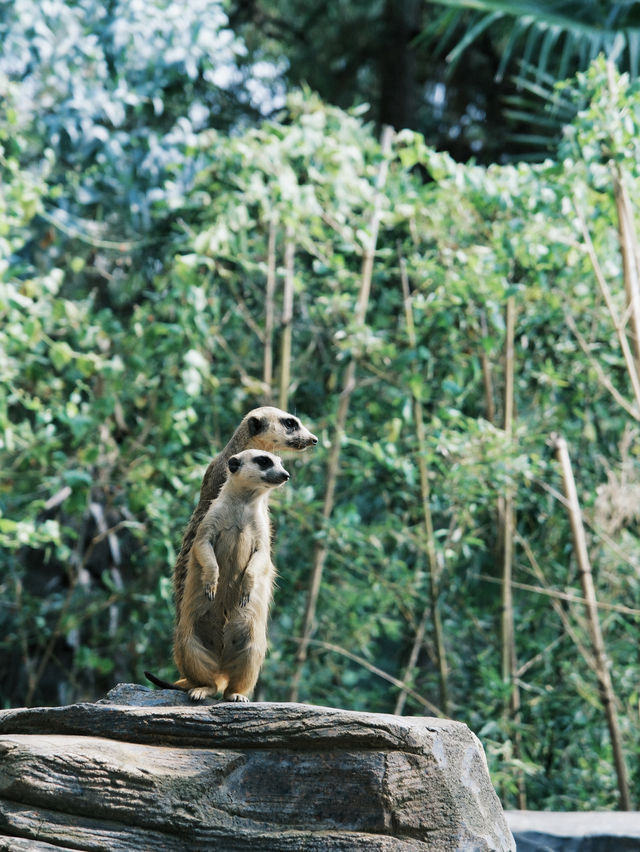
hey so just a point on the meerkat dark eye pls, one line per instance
(290, 424)
(264, 462)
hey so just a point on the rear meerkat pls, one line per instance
(221, 633)
(266, 428)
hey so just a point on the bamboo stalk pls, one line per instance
(432, 608)
(506, 512)
(507, 526)
(509, 375)
(629, 247)
(269, 310)
(337, 649)
(605, 684)
(487, 378)
(320, 550)
(604, 380)
(506, 504)
(560, 611)
(563, 596)
(287, 317)
(628, 243)
(634, 376)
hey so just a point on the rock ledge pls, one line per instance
(146, 769)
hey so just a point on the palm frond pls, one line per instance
(536, 28)
(471, 35)
(546, 41)
(520, 25)
(538, 103)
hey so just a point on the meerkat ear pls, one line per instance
(256, 425)
(234, 464)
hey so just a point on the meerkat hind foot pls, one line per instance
(235, 696)
(199, 693)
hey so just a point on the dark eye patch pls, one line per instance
(263, 462)
(289, 424)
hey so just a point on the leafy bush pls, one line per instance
(127, 364)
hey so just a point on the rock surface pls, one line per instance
(147, 770)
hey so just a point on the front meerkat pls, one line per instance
(266, 428)
(221, 633)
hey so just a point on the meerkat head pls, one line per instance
(257, 469)
(275, 430)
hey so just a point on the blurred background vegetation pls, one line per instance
(197, 216)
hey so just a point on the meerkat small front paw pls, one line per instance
(210, 590)
(199, 693)
(244, 599)
(236, 696)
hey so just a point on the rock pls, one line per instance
(575, 831)
(130, 773)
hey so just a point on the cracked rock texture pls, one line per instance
(148, 770)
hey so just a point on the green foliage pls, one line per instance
(535, 43)
(125, 367)
(557, 33)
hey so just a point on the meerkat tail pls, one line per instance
(179, 685)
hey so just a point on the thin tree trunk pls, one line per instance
(629, 248)
(287, 317)
(628, 244)
(507, 526)
(559, 608)
(269, 311)
(432, 609)
(377, 671)
(627, 354)
(506, 504)
(506, 512)
(320, 551)
(605, 685)
(487, 379)
(604, 380)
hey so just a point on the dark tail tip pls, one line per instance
(163, 684)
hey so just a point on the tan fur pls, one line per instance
(221, 635)
(262, 428)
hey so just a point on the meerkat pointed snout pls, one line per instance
(278, 476)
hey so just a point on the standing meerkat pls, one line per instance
(266, 428)
(221, 634)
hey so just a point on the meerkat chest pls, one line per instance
(237, 543)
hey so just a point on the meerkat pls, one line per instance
(266, 428)
(221, 634)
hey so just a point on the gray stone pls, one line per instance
(575, 831)
(128, 773)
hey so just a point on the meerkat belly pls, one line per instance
(234, 549)
(245, 628)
